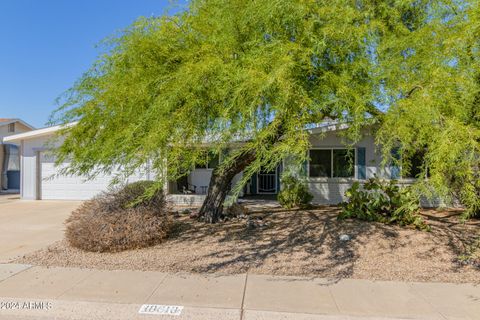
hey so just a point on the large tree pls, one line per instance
(434, 101)
(242, 78)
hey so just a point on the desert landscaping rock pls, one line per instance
(295, 243)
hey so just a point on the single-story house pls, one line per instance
(9, 153)
(329, 171)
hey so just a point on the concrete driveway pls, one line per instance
(26, 226)
(5, 197)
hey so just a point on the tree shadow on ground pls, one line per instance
(294, 243)
(309, 238)
(450, 229)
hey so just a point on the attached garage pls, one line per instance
(41, 179)
(53, 186)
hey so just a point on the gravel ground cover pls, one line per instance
(296, 242)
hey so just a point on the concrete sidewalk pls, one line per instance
(69, 293)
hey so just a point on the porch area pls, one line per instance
(197, 182)
(191, 190)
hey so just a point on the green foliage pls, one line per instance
(434, 101)
(384, 202)
(219, 72)
(229, 70)
(294, 192)
(134, 195)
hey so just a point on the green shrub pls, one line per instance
(120, 219)
(294, 192)
(384, 202)
(132, 195)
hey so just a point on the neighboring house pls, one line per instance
(329, 171)
(10, 154)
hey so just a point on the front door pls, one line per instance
(267, 182)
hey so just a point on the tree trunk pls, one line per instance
(220, 186)
(220, 183)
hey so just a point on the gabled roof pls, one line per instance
(7, 121)
(36, 133)
(317, 128)
(4, 121)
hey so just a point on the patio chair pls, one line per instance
(187, 188)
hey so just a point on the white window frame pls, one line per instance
(206, 164)
(355, 167)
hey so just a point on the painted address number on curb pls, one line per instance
(159, 309)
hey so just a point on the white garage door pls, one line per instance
(55, 187)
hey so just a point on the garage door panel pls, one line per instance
(62, 187)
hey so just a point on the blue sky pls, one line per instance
(46, 45)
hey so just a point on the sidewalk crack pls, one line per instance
(89, 274)
(156, 287)
(334, 300)
(16, 273)
(243, 297)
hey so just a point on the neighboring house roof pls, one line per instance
(7, 121)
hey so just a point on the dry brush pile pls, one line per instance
(120, 219)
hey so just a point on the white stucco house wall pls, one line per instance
(327, 178)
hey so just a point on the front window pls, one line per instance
(209, 160)
(416, 166)
(13, 163)
(343, 161)
(406, 166)
(332, 163)
(320, 163)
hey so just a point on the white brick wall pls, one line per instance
(186, 200)
(331, 191)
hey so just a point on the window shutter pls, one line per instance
(361, 163)
(253, 186)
